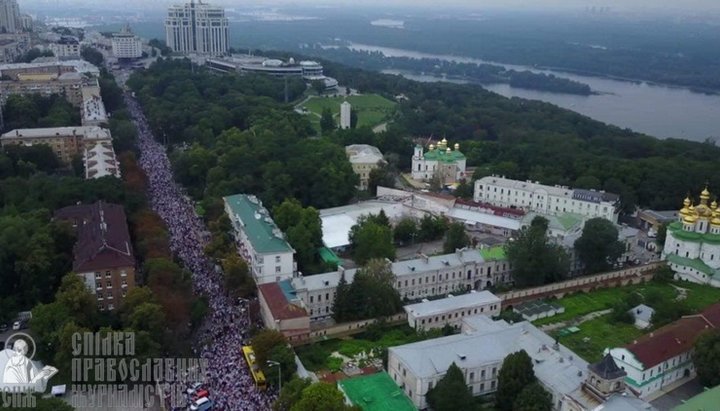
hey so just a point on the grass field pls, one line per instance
(580, 304)
(600, 333)
(372, 109)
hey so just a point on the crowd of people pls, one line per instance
(228, 379)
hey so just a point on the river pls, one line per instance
(657, 110)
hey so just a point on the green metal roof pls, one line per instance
(706, 401)
(328, 256)
(257, 224)
(695, 263)
(677, 231)
(493, 253)
(569, 220)
(376, 392)
(444, 156)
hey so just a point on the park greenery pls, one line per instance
(598, 246)
(322, 396)
(303, 230)
(372, 238)
(534, 258)
(370, 295)
(456, 238)
(272, 346)
(35, 110)
(518, 389)
(450, 393)
(369, 110)
(707, 358)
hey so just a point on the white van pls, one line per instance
(17, 325)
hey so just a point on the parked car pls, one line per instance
(201, 405)
(200, 394)
(193, 388)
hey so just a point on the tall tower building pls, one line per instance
(345, 114)
(126, 45)
(9, 16)
(197, 28)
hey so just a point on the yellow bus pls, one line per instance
(255, 370)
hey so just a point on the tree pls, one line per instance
(371, 295)
(516, 373)
(465, 190)
(92, 56)
(533, 398)
(405, 231)
(321, 396)
(264, 342)
(383, 176)
(456, 238)
(707, 358)
(432, 228)
(598, 246)
(370, 239)
(291, 393)
(340, 304)
(451, 392)
(534, 259)
(303, 228)
(318, 86)
(327, 122)
(661, 234)
(238, 281)
(353, 118)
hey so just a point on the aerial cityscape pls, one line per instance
(383, 206)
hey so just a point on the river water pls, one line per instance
(657, 110)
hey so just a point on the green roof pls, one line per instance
(328, 256)
(569, 220)
(376, 392)
(444, 156)
(695, 263)
(677, 231)
(706, 401)
(257, 224)
(493, 253)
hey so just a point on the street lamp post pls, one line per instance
(272, 363)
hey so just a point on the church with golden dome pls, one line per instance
(442, 161)
(692, 244)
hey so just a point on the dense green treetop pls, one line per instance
(598, 246)
(534, 259)
(451, 392)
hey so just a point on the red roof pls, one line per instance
(280, 307)
(668, 341)
(103, 238)
(712, 315)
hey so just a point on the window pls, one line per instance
(311, 298)
(482, 374)
(123, 273)
(277, 258)
(107, 274)
(494, 371)
(492, 385)
(430, 385)
(109, 284)
(277, 269)
(98, 284)
(327, 296)
(472, 376)
(97, 275)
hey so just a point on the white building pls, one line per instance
(544, 199)
(692, 244)
(364, 159)
(479, 352)
(451, 310)
(664, 356)
(10, 16)
(66, 47)
(93, 109)
(345, 110)
(307, 69)
(197, 28)
(260, 242)
(126, 45)
(443, 162)
(424, 277)
(642, 314)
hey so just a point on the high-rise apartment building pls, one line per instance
(197, 28)
(9, 16)
(126, 45)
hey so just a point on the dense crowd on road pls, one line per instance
(228, 379)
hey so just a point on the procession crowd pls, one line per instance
(228, 379)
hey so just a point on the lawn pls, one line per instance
(372, 109)
(580, 304)
(316, 357)
(601, 334)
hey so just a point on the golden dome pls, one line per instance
(705, 194)
(714, 204)
(715, 221)
(690, 219)
(448, 150)
(686, 202)
(457, 147)
(444, 141)
(432, 147)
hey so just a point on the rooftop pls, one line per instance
(257, 224)
(705, 401)
(278, 303)
(444, 155)
(87, 132)
(100, 161)
(103, 237)
(478, 217)
(444, 305)
(496, 253)
(337, 221)
(555, 366)
(376, 392)
(642, 312)
(363, 153)
(607, 368)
